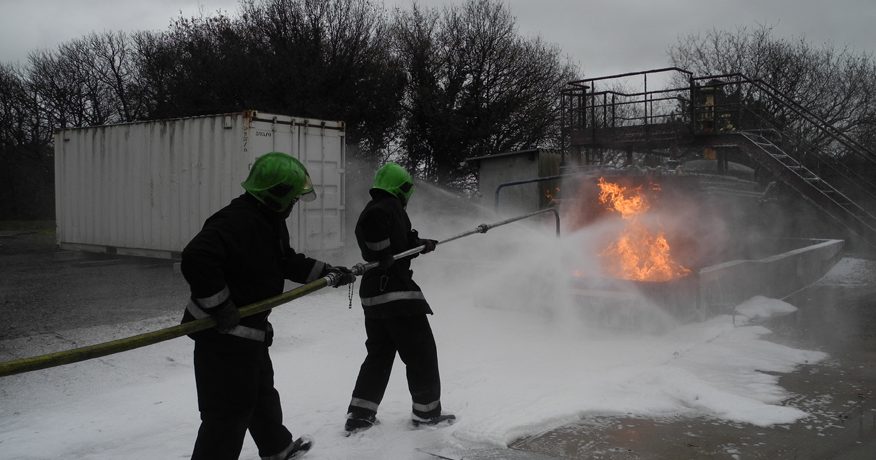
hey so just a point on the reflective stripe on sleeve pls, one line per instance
(241, 331)
(391, 297)
(316, 271)
(214, 300)
(377, 246)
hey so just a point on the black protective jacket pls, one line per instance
(384, 229)
(242, 251)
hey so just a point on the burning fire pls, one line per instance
(639, 253)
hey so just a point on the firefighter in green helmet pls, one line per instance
(395, 308)
(240, 256)
(279, 181)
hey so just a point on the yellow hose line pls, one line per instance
(33, 363)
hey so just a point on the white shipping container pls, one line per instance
(146, 188)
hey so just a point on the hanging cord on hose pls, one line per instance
(350, 295)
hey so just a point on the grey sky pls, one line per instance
(601, 36)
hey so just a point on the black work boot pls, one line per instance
(432, 421)
(359, 422)
(299, 447)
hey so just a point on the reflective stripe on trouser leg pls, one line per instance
(426, 407)
(364, 404)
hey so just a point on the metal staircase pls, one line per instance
(819, 192)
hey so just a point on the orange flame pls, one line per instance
(628, 202)
(638, 253)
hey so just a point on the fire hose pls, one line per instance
(74, 355)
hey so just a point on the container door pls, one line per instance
(321, 222)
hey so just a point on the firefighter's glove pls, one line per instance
(227, 316)
(341, 276)
(429, 245)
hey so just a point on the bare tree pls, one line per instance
(475, 87)
(200, 65)
(17, 121)
(26, 177)
(327, 59)
(57, 80)
(88, 81)
(112, 61)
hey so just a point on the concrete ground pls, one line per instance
(44, 290)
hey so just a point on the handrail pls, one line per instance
(860, 216)
(821, 159)
(525, 181)
(644, 93)
(632, 74)
(618, 103)
(820, 123)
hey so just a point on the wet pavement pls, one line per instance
(44, 289)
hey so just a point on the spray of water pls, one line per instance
(524, 269)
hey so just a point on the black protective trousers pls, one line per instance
(411, 337)
(236, 393)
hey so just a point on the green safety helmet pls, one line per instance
(278, 180)
(394, 179)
